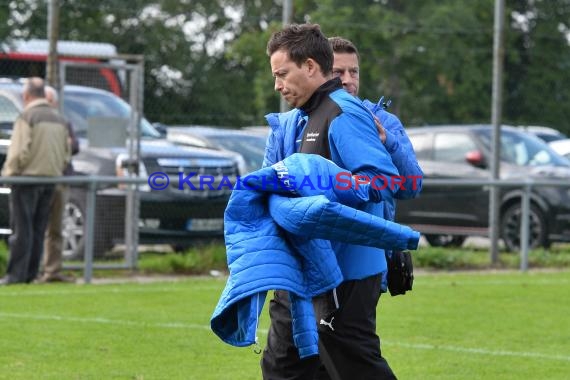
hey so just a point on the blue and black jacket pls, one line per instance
(336, 125)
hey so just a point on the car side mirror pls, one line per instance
(475, 158)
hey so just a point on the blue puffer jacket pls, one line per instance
(277, 232)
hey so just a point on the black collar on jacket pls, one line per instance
(324, 90)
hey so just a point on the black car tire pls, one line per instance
(74, 231)
(180, 248)
(445, 240)
(511, 228)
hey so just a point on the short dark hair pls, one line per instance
(303, 41)
(342, 45)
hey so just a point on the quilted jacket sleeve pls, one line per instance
(401, 151)
(319, 218)
(324, 212)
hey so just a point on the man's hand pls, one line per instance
(381, 130)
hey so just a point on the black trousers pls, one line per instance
(349, 347)
(29, 211)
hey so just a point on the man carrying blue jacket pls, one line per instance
(334, 124)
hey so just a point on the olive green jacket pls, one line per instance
(40, 142)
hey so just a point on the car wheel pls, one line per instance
(180, 248)
(445, 240)
(73, 227)
(74, 231)
(511, 228)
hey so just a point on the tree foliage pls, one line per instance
(205, 60)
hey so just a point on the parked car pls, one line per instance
(446, 215)
(170, 216)
(546, 134)
(562, 147)
(249, 144)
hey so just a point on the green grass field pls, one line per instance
(506, 325)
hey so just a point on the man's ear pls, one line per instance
(312, 67)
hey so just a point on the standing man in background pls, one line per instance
(346, 66)
(53, 247)
(39, 146)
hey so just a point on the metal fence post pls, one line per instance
(525, 225)
(89, 231)
(136, 95)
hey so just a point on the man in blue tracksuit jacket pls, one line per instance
(330, 122)
(392, 133)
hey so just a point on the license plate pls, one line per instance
(211, 224)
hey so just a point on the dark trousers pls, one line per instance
(53, 245)
(29, 211)
(349, 347)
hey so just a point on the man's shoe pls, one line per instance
(58, 277)
(6, 281)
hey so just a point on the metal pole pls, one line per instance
(89, 231)
(131, 209)
(525, 223)
(498, 53)
(287, 17)
(287, 11)
(62, 77)
(136, 100)
(53, 36)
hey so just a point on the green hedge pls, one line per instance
(3, 257)
(205, 258)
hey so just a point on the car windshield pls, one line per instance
(8, 112)
(523, 150)
(79, 107)
(548, 137)
(252, 148)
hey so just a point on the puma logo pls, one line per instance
(329, 324)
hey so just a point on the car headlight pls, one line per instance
(123, 169)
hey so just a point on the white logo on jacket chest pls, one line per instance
(312, 136)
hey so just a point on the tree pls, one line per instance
(205, 60)
(183, 47)
(4, 21)
(434, 58)
(538, 65)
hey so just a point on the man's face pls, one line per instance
(346, 68)
(292, 82)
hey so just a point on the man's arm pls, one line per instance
(403, 156)
(356, 147)
(19, 150)
(270, 156)
(399, 147)
(73, 139)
